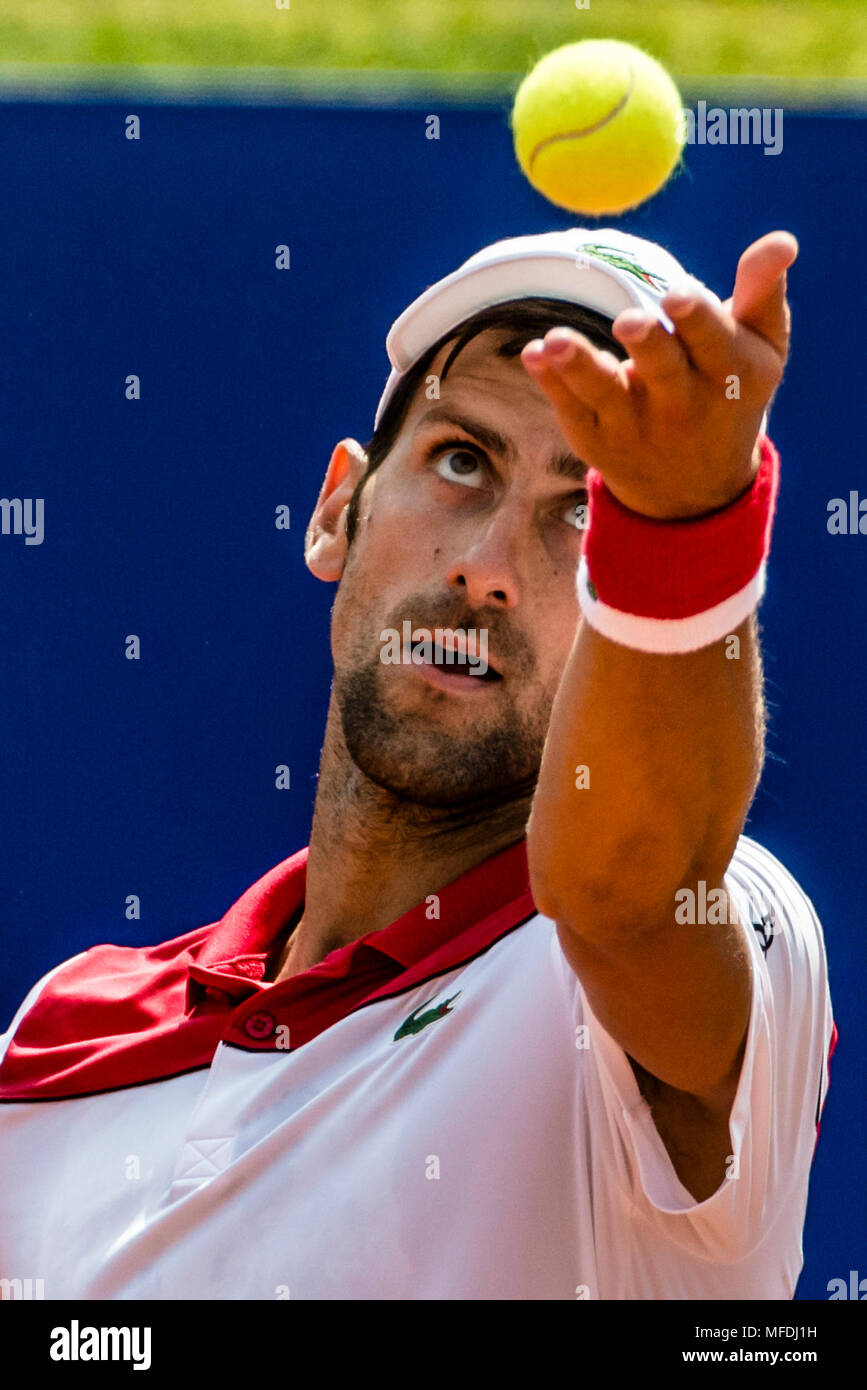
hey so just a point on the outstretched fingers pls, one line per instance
(705, 330)
(657, 355)
(584, 383)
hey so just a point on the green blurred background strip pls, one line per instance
(436, 44)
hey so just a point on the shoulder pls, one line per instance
(90, 1007)
(30, 999)
(780, 918)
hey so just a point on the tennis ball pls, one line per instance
(598, 126)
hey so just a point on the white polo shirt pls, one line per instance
(432, 1112)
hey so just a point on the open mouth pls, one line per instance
(456, 663)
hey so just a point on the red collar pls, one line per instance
(121, 1016)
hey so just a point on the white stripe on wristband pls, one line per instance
(670, 635)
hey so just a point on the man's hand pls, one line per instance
(674, 429)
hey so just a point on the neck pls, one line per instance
(373, 855)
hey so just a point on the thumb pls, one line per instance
(759, 299)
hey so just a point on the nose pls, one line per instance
(486, 567)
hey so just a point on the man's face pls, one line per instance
(458, 529)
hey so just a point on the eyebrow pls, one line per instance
(563, 465)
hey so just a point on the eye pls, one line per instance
(577, 513)
(459, 465)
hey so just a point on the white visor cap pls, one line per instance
(604, 269)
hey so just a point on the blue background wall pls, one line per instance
(156, 257)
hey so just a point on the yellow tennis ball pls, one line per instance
(598, 126)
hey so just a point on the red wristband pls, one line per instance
(672, 586)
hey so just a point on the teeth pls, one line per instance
(461, 662)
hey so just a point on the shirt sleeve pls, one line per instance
(784, 1077)
(29, 1001)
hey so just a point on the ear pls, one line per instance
(325, 544)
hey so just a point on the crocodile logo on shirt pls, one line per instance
(620, 260)
(418, 1020)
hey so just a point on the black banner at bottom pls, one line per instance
(63, 1339)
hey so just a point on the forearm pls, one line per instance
(671, 751)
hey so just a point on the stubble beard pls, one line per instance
(408, 754)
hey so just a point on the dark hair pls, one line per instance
(522, 320)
